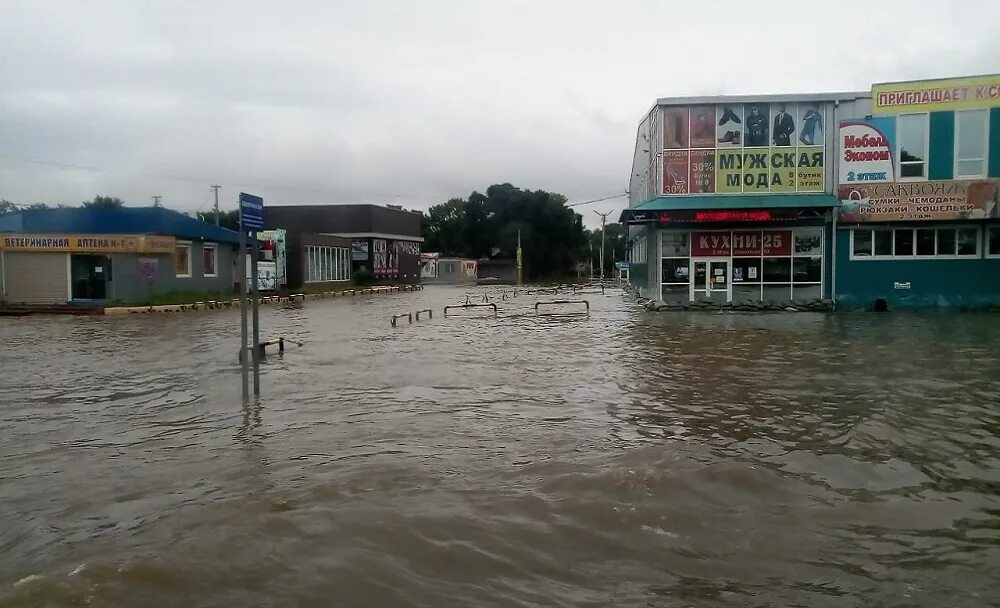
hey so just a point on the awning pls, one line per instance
(752, 208)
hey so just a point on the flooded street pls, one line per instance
(625, 459)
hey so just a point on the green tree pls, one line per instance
(104, 202)
(7, 206)
(615, 239)
(487, 225)
(227, 219)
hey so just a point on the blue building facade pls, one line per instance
(876, 199)
(94, 255)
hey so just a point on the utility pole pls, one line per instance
(591, 260)
(604, 218)
(519, 262)
(216, 188)
(156, 200)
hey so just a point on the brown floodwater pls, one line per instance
(627, 458)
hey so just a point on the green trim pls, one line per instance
(941, 164)
(760, 201)
(994, 143)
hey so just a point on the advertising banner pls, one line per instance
(756, 129)
(279, 238)
(782, 164)
(934, 95)
(675, 128)
(675, 171)
(703, 127)
(359, 250)
(907, 201)
(746, 243)
(776, 242)
(729, 171)
(711, 244)
(702, 174)
(88, 243)
(809, 176)
(866, 150)
(784, 124)
(756, 173)
(810, 124)
(729, 126)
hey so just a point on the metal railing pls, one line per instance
(560, 303)
(470, 305)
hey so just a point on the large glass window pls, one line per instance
(907, 242)
(676, 244)
(883, 242)
(903, 241)
(912, 133)
(807, 270)
(326, 264)
(971, 131)
(182, 260)
(777, 270)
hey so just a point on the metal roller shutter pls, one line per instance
(36, 278)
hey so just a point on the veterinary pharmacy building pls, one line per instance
(880, 199)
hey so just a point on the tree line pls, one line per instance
(553, 238)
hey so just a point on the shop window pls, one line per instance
(676, 244)
(946, 241)
(903, 242)
(746, 291)
(746, 270)
(809, 241)
(912, 133)
(772, 293)
(676, 293)
(968, 241)
(862, 239)
(210, 260)
(971, 131)
(993, 241)
(883, 242)
(777, 270)
(807, 270)
(925, 241)
(326, 264)
(675, 270)
(182, 260)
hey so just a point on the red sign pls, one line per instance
(747, 243)
(777, 242)
(732, 216)
(741, 243)
(711, 244)
(702, 174)
(675, 172)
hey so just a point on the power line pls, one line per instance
(597, 200)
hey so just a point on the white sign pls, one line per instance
(866, 155)
(899, 285)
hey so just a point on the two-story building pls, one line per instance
(872, 199)
(917, 175)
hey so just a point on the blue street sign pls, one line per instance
(251, 211)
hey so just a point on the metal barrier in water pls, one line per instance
(562, 302)
(430, 313)
(468, 305)
(408, 315)
(279, 342)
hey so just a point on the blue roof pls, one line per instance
(115, 220)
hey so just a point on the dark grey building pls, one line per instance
(384, 240)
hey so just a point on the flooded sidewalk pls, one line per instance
(618, 458)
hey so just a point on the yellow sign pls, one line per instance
(88, 243)
(932, 95)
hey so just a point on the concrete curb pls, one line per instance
(235, 303)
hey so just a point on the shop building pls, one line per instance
(732, 199)
(919, 224)
(89, 256)
(447, 270)
(383, 241)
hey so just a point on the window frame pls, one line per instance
(892, 230)
(988, 238)
(182, 245)
(986, 145)
(214, 247)
(926, 148)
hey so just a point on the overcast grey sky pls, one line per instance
(415, 102)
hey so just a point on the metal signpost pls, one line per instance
(252, 221)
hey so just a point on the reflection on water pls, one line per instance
(626, 458)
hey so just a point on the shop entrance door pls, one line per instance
(89, 275)
(710, 280)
